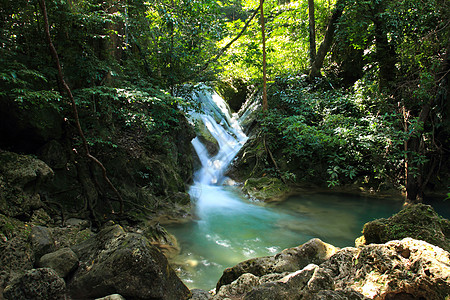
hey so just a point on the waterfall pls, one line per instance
(224, 127)
(229, 228)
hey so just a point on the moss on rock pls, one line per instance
(21, 179)
(418, 221)
(206, 138)
(265, 188)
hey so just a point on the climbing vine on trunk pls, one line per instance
(55, 56)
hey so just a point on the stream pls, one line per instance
(229, 228)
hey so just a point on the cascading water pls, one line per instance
(230, 228)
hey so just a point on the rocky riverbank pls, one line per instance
(72, 262)
(401, 268)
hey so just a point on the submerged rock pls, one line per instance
(114, 261)
(418, 221)
(406, 269)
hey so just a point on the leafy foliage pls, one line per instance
(332, 136)
(287, 39)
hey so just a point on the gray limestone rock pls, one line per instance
(399, 269)
(289, 260)
(63, 261)
(42, 241)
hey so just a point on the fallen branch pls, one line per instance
(72, 100)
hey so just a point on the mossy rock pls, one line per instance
(206, 138)
(21, 180)
(418, 221)
(265, 188)
(234, 91)
(16, 255)
(23, 171)
(249, 161)
(11, 227)
(114, 261)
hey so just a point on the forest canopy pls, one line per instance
(358, 90)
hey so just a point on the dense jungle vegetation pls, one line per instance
(357, 90)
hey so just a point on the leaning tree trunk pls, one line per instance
(327, 42)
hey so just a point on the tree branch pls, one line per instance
(225, 48)
(55, 56)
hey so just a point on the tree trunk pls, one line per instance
(55, 56)
(327, 42)
(414, 188)
(415, 185)
(385, 54)
(312, 32)
(263, 34)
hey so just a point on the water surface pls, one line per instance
(230, 228)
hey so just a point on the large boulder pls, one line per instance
(289, 260)
(21, 177)
(406, 269)
(42, 241)
(63, 261)
(114, 261)
(418, 221)
(410, 268)
(38, 284)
